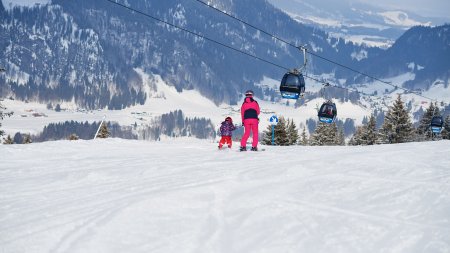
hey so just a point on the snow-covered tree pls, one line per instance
(8, 140)
(2, 116)
(371, 134)
(292, 132)
(103, 132)
(281, 135)
(446, 129)
(280, 132)
(324, 134)
(267, 136)
(27, 139)
(340, 137)
(73, 137)
(304, 138)
(397, 126)
(365, 120)
(365, 134)
(357, 138)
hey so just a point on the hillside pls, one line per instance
(422, 51)
(88, 52)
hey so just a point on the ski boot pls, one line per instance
(243, 149)
(254, 149)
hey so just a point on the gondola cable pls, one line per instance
(195, 34)
(232, 48)
(316, 55)
(224, 45)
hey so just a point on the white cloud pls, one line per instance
(431, 8)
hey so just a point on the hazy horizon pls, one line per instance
(431, 8)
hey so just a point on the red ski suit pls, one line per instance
(226, 130)
(249, 114)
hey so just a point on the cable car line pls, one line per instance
(222, 44)
(196, 34)
(316, 55)
(252, 26)
(291, 44)
(325, 84)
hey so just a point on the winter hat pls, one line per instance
(229, 119)
(249, 93)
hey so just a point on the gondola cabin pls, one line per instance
(436, 124)
(292, 85)
(327, 112)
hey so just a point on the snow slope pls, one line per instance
(166, 99)
(183, 195)
(163, 98)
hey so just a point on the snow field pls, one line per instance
(183, 195)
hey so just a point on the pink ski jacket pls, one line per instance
(249, 110)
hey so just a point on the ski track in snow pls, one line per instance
(185, 196)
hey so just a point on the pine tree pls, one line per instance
(27, 139)
(104, 132)
(334, 134)
(397, 126)
(324, 134)
(304, 138)
(365, 120)
(357, 138)
(370, 134)
(267, 136)
(316, 137)
(446, 129)
(341, 137)
(280, 132)
(366, 134)
(292, 132)
(73, 137)
(8, 140)
(281, 135)
(2, 116)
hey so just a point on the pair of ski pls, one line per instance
(248, 150)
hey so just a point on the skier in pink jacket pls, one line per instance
(249, 113)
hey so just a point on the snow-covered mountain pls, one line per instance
(115, 195)
(417, 49)
(87, 52)
(356, 21)
(69, 46)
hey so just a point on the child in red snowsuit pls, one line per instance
(226, 129)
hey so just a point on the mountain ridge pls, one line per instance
(90, 50)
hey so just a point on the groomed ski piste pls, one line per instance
(184, 195)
